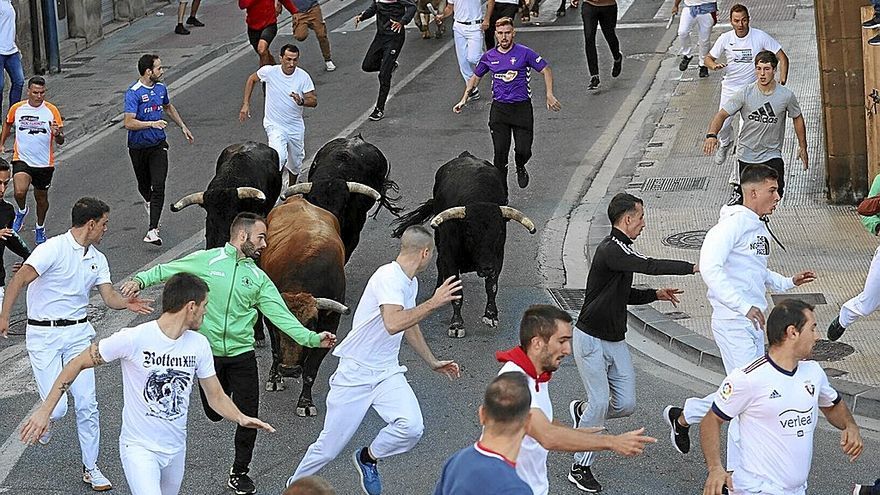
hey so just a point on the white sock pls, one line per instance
(39, 226)
(19, 210)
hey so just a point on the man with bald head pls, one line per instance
(369, 373)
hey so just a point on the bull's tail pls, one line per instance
(418, 216)
(390, 196)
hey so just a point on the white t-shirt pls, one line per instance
(739, 55)
(158, 374)
(66, 276)
(778, 411)
(7, 28)
(34, 143)
(531, 464)
(369, 343)
(280, 109)
(467, 10)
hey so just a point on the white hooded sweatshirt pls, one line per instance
(733, 263)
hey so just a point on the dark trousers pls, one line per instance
(775, 163)
(508, 120)
(606, 17)
(380, 57)
(500, 10)
(239, 378)
(151, 168)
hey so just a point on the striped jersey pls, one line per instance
(33, 136)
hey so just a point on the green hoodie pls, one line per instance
(238, 288)
(872, 222)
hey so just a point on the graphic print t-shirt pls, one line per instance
(739, 54)
(33, 135)
(147, 104)
(511, 72)
(157, 375)
(764, 116)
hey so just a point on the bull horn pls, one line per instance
(357, 187)
(188, 200)
(325, 304)
(250, 193)
(514, 214)
(301, 188)
(456, 212)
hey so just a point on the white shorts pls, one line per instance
(290, 145)
(152, 473)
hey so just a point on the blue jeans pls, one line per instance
(12, 64)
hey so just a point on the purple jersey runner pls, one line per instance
(510, 72)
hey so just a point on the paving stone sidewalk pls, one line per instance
(683, 191)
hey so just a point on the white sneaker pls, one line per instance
(721, 154)
(96, 478)
(46, 436)
(153, 237)
(329, 66)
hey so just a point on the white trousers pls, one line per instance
(152, 473)
(740, 343)
(354, 389)
(468, 47)
(49, 349)
(290, 145)
(867, 301)
(726, 132)
(704, 29)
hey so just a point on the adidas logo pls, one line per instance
(765, 115)
(775, 395)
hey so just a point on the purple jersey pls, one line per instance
(510, 72)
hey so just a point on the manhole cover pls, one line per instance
(675, 184)
(811, 298)
(831, 351)
(692, 239)
(568, 299)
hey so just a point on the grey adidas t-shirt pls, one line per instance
(763, 129)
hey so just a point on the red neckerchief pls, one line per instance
(518, 357)
(480, 447)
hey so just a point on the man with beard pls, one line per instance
(239, 289)
(545, 339)
(145, 103)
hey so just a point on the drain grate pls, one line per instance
(692, 239)
(831, 351)
(571, 300)
(675, 184)
(811, 298)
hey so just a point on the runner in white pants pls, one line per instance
(62, 272)
(739, 48)
(161, 360)
(733, 263)
(468, 33)
(865, 303)
(288, 90)
(704, 15)
(369, 373)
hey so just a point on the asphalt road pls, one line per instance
(419, 134)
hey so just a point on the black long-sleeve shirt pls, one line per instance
(13, 242)
(401, 11)
(609, 285)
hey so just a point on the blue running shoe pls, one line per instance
(39, 236)
(369, 473)
(19, 218)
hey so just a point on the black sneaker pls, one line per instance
(704, 71)
(181, 30)
(865, 489)
(685, 61)
(377, 115)
(875, 41)
(594, 83)
(680, 435)
(522, 177)
(241, 483)
(835, 330)
(583, 479)
(872, 23)
(192, 21)
(561, 11)
(576, 410)
(615, 69)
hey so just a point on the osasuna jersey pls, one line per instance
(778, 411)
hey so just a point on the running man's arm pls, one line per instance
(800, 130)
(190, 263)
(38, 423)
(115, 300)
(715, 124)
(560, 438)
(271, 304)
(310, 99)
(175, 116)
(223, 405)
(552, 102)
(490, 7)
(710, 432)
(675, 7)
(850, 438)
(416, 340)
(25, 275)
(782, 66)
(472, 83)
(397, 319)
(245, 111)
(716, 248)
(4, 135)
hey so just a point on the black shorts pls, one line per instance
(41, 177)
(267, 34)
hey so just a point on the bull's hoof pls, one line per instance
(290, 371)
(490, 322)
(260, 343)
(455, 333)
(275, 385)
(308, 411)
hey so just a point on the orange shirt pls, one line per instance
(33, 136)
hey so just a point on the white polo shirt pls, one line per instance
(67, 273)
(531, 464)
(369, 343)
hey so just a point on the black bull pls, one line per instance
(470, 214)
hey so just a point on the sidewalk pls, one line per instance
(683, 191)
